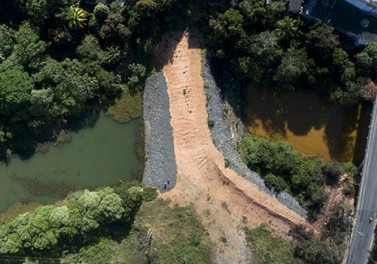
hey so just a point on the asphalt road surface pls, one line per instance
(362, 232)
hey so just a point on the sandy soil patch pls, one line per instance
(220, 196)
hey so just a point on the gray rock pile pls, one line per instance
(160, 167)
(222, 137)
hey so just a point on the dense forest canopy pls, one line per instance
(60, 60)
(263, 43)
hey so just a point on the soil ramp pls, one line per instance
(221, 197)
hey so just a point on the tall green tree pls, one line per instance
(15, 88)
(287, 28)
(8, 38)
(366, 61)
(29, 50)
(321, 43)
(292, 67)
(76, 17)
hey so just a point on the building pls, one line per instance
(355, 21)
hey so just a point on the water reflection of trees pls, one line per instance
(302, 111)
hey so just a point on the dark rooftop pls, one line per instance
(355, 18)
(295, 6)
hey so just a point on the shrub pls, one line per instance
(149, 193)
(333, 171)
(81, 213)
(227, 162)
(284, 168)
(101, 12)
(275, 182)
(211, 122)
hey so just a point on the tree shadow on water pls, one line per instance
(87, 120)
(362, 132)
(25, 141)
(298, 112)
(340, 132)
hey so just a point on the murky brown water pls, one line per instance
(311, 124)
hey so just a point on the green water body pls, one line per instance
(97, 156)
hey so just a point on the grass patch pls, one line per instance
(127, 107)
(99, 253)
(267, 248)
(149, 193)
(227, 162)
(178, 237)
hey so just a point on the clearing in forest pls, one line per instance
(222, 199)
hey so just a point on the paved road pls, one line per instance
(362, 233)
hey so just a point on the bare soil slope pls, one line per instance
(220, 196)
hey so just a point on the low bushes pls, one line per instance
(286, 169)
(79, 214)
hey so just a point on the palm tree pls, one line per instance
(76, 17)
(287, 28)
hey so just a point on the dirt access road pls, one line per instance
(220, 196)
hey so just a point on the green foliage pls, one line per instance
(83, 68)
(115, 29)
(76, 17)
(333, 171)
(285, 169)
(149, 193)
(15, 87)
(178, 237)
(127, 107)
(40, 10)
(101, 12)
(264, 45)
(293, 66)
(338, 225)
(321, 43)
(90, 49)
(227, 162)
(8, 38)
(28, 50)
(366, 60)
(99, 253)
(343, 69)
(287, 28)
(80, 214)
(112, 55)
(267, 248)
(211, 122)
(277, 183)
(318, 252)
(137, 74)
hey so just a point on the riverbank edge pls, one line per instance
(160, 166)
(225, 142)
